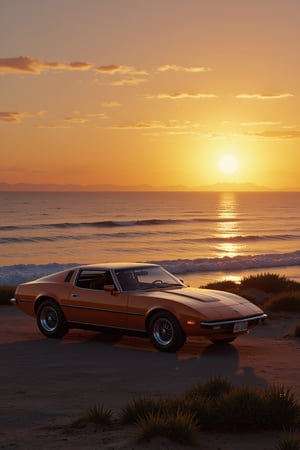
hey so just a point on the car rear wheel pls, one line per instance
(51, 320)
(165, 332)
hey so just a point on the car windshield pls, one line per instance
(148, 277)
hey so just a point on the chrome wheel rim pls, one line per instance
(49, 319)
(163, 331)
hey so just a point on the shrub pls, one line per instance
(280, 408)
(289, 441)
(99, 415)
(297, 330)
(224, 285)
(6, 293)
(284, 302)
(212, 389)
(240, 410)
(179, 427)
(269, 282)
(138, 408)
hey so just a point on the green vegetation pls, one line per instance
(180, 427)
(215, 405)
(99, 415)
(281, 293)
(289, 441)
(288, 302)
(6, 293)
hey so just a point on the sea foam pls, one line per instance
(15, 274)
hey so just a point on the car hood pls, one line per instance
(218, 304)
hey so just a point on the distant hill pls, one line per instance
(218, 187)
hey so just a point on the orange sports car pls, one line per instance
(134, 298)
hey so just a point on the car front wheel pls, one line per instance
(51, 320)
(165, 332)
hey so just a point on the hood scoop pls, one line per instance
(202, 295)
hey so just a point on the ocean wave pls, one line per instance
(116, 223)
(121, 235)
(12, 275)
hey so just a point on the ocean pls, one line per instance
(199, 236)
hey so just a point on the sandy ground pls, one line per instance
(47, 384)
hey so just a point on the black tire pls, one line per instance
(223, 341)
(51, 320)
(165, 332)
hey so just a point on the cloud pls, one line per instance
(262, 123)
(157, 124)
(280, 134)
(263, 96)
(181, 95)
(51, 126)
(128, 82)
(175, 68)
(74, 119)
(112, 104)
(113, 69)
(24, 64)
(12, 116)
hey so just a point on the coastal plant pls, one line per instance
(223, 285)
(290, 440)
(6, 293)
(241, 409)
(297, 330)
(269, 282)
(287, 302)
(281, 408)
(180, 427)
(213, 388)
(99, 415)
(139, 407)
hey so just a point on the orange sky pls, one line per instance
(132, 92)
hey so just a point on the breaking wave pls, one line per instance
(12, 275)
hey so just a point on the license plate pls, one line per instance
(240, 326)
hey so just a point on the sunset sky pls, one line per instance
(132, 92)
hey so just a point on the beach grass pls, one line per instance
(217, 405)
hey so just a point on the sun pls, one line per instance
(228, 164)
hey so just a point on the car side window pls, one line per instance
(94, 279)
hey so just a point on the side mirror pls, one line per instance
(109, 288)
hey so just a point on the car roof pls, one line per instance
(117, 265)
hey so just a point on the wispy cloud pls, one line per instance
(182, 95)
(261, 123)
(175, 68)
(277, 135)
(157, 124)
(53, 126)
(12, 116)
(113, 69)
(24, 64)
(75, 119)
(264, 96)
(112, 104)
(128, 82)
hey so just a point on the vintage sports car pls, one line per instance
(134, 298)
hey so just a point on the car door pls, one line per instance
(94, 300)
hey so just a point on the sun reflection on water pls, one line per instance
(228, 226)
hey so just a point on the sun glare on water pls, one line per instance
(228, 164)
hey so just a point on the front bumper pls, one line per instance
(227, 326)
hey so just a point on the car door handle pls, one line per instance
(74, 295)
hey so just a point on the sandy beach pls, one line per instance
(46, 384)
